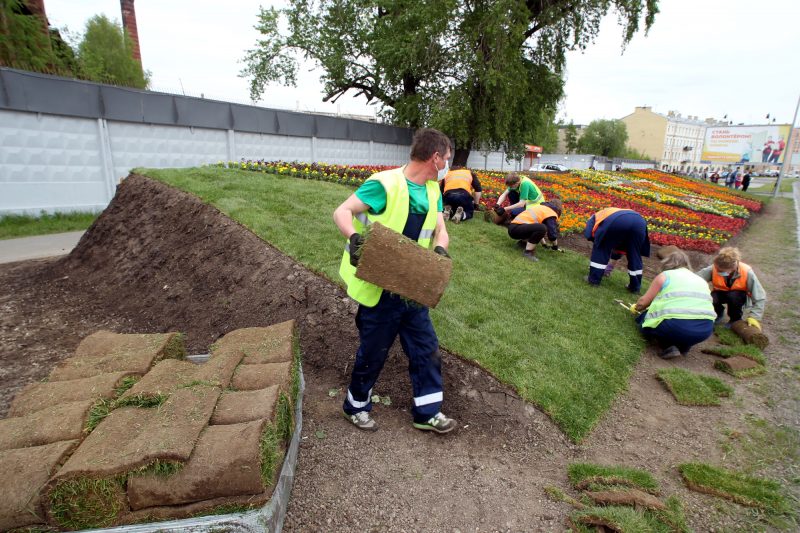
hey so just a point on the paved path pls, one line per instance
(24, 248)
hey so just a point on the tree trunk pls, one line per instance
(461, 156)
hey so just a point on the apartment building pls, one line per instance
(673, 140)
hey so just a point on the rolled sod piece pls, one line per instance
(38, 396)
(750, 334)
(245, 406)
(272, 344)
(162, 380)
(53, 424)
(105, 352)
(216, 469)
(397, 264)
(257, 377)
(740, 367)
(89, 490)
(24, 473)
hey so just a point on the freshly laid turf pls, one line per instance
(745, 350)
(729, 367)
(537, 327)
(689, 388)
(741, 488)
(12, 226)
(586, 475)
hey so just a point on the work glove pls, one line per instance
(356, 242)
(754, 322)
(441, 251)
(499, 210)
(633, 309)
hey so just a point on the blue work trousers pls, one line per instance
(460, 198)
(625, 233)
(377, 328)
(680, 332)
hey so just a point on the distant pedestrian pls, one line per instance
(731, 179)
(746, 181)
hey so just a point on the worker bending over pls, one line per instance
(462, 194)
(521, 193)
(613, 229)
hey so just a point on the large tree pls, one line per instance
(105, 55)
(608, 138)
(487, 72)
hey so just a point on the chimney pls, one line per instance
(129, 25)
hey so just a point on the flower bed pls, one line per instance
(690, 214)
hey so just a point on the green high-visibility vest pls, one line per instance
(685, 295)
(394, 217)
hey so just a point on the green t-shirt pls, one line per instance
(373, 194)
(529, 191)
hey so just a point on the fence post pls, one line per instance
(231, 146)
(313, 149)
(106, 161)
(371, 153)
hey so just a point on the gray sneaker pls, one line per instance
(439, 423)
(458, 216)
(362, 420)
(447, 211)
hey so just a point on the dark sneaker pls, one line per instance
(529, 256)
(671, 353)
(586, 279)
(362, 420)
(719, 320)
(447, 212)
(633, 291)
(459, 215)
(439, 424)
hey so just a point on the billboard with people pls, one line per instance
(746, 144)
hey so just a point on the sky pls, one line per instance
(707, 58)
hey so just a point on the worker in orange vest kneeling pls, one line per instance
(533, 224)
(613, 230)
(735, 284)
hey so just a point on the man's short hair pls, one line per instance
(512, 178)
(428, 141)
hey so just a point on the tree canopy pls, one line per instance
(105, 54)
(608, 138)
(571, 138)
(486, 72)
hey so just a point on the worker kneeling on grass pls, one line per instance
(462, 194)
(408, 201)
(522, 192)
(735, 284)
(679, 312)
(533, 224)
(613, 229)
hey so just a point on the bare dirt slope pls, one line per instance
(160, 260)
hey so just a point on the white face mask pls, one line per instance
(440, 174)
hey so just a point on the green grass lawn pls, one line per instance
(12, 226)
(561, 344)
(786, 186)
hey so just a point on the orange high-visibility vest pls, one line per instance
(535, 214)
(604, 214)
(719, 282)
(458, 179)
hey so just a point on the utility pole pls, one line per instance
(787, 155)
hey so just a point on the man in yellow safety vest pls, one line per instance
(407, 200)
